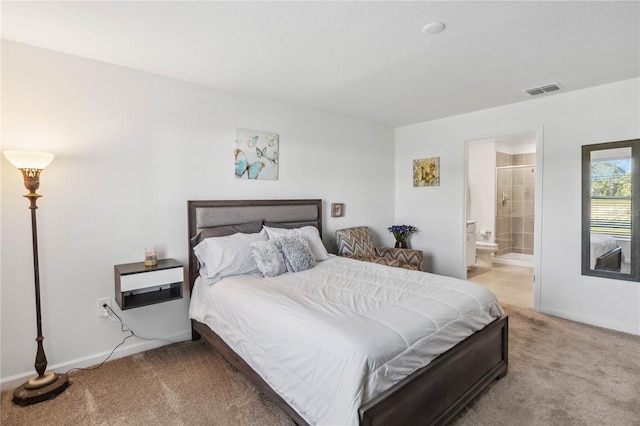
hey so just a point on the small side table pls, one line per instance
(139, 285)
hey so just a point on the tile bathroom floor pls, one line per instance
(512, 285)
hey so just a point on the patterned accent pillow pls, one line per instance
(312, 235)
(269, 258)
(296, 251)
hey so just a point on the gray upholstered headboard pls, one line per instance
(284, 213)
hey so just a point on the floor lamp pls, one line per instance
(45, 385)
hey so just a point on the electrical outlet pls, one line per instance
(100, 306)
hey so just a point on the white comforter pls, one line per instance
(330, 338)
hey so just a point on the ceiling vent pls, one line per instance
(551, 87)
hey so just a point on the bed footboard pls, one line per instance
(611, 261)
(434, 394)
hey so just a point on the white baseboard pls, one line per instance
(598, 322)
(95, 359)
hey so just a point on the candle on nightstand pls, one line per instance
(150, 256)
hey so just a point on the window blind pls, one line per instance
(611, 216)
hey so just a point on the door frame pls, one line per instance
(537, 233)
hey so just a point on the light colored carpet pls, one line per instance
(179, 384)
(560, 373)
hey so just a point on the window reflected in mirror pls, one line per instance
(610, 209)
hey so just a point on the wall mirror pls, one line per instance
(611, 210)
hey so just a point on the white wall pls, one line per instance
(570, 120)
(131, 149)
(481, 178)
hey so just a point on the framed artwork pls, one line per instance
(426, 172)
(256, 154)
(337, 209)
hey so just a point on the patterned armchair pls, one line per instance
(357, 243)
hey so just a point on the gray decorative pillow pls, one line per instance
(296, 251)
(268, 258)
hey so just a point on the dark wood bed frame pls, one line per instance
(432, 395)
(611, 261)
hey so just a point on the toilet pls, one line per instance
(484, 250)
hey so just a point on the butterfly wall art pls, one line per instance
(426, 172)
(256, 154)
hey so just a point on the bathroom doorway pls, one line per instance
(501, 197)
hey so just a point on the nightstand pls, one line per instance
(139, 285)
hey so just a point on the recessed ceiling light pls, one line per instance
(433, 28)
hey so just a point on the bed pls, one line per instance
(432, 394)
(605, 254)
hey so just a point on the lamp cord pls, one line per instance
(125, 329)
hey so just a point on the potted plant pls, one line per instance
(401, 233)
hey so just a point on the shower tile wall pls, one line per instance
(515, 203)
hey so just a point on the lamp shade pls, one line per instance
(29, 159)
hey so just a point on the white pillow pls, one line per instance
(223, 256)
(296, 252)
(269, 258)
(310, 233)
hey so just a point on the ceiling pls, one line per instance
(369, 60)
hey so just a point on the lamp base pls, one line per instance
(27, 394)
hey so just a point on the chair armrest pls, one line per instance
(408, 256)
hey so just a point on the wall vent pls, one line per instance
(551, 87)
